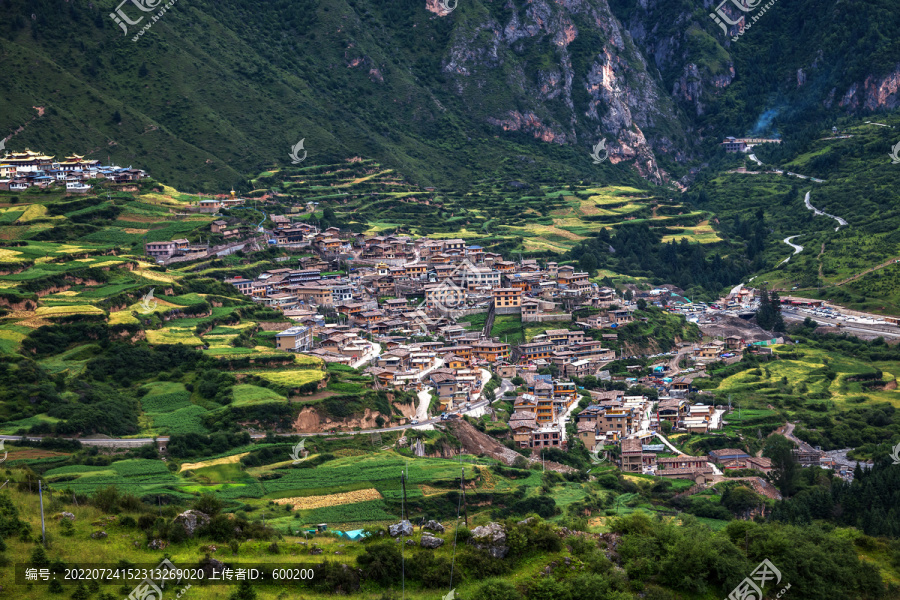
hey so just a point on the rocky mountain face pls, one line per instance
(572, 76)
(744, 66)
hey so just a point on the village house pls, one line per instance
(507, 300)
(631, 459)
(723, 455)
(490, 351)
(294, 339)
(546, 437)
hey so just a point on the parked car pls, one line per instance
(414, 422)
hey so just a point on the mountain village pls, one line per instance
(396, 309)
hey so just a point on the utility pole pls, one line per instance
(43, 529)
(404, 513)
(465, 502)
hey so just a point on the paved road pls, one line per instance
(759, 162)
(424, 402)
(841, 222)
(674, 369)
(374, 352)
(881, 330)
(797, 247)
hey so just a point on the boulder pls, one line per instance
(212, 568)
(65, 515)
(401, 528)
(98, 535)
(410, 542)
(157, 544)
(433, 526)
(192, 520)
(316, 551)
(490, 537)
(431, 542)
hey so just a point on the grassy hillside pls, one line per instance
(757, 209)
(265, 516)
(215, 91)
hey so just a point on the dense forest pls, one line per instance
(638, 250)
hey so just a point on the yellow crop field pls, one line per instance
(155, 276)
(228, 460)
(293, 378)
(309, 502)
(78, 309)
(702, 233)
(173, 336)
(7, 255)
(34, 211)
(122, 317)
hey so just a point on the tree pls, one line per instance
(766, 314)
(778, 324)
(784, 466)
(588, 263)
(39, 557)
(641, 304)
(245, 591)
(208, 504)
(740, 500)
(666, 427)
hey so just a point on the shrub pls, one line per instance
(497, 590)
(127, 522)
